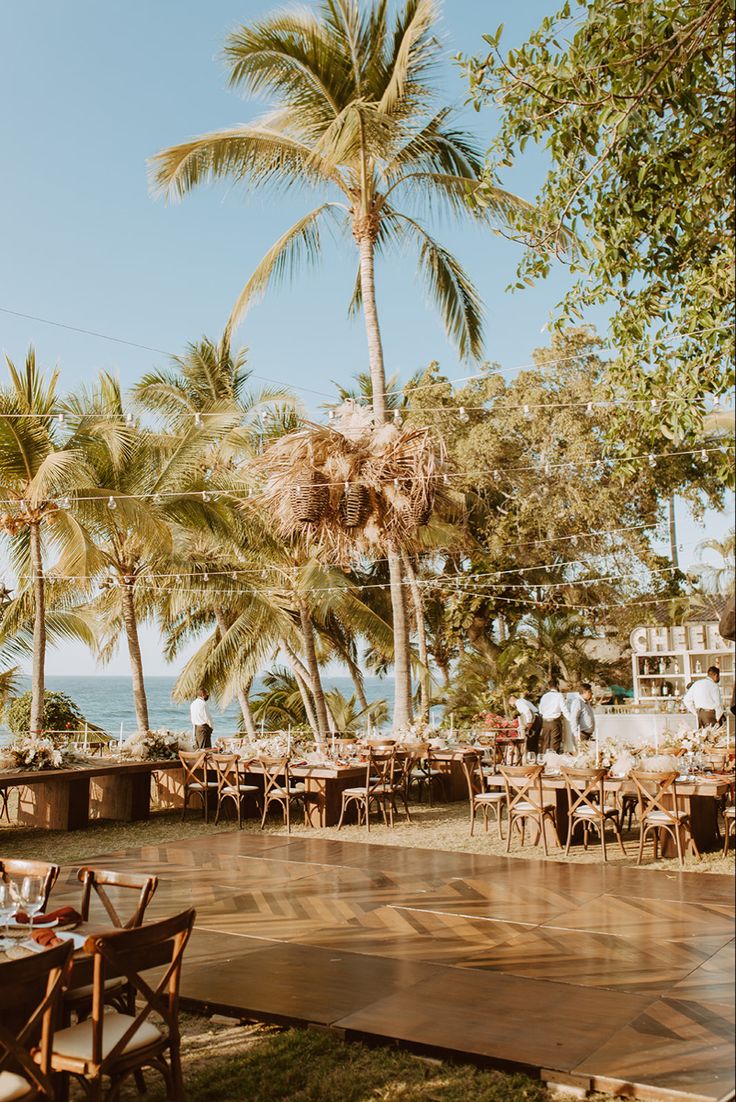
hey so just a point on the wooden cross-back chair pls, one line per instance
(380, 788)
(278, 788)
(231, 777)
(659, 810)
(525, 800)
(30, 989)
(16, 868)
(425, 773)
(480, 796)
(97, 881)
(96, 884)
(114, 1046)
(586, 802)
(197, 780)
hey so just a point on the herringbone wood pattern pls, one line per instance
(611, 975)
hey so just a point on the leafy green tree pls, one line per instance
(355, 119)
(61, 716)
(719, 577)
(633, 103)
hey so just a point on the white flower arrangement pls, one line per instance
(158, 745)
(278, 745)
(38, 752)
(417, 732)
(698, 742)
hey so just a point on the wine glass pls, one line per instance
(31, 893)
(7, 910)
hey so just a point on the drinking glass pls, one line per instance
(7, 910)
(31, 893)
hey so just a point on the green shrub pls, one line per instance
(60, 714)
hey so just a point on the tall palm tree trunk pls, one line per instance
(39, 631)
(424, 675)
(136, 660)
(672, 525)
(364, 231)
(245, 708)
(310, 654)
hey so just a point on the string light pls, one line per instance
(61, 418)
(652, 460)
(198, 420)
(65, 503)
(397, 417)
(462, 415)
(111, 502)
(589, 411)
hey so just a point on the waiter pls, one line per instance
(582, 716)
(703, 698)
(552, 708)
(530, 721)
(201, 720)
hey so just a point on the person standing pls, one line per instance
(201, 720)
(581, 714)
(530, 721)
(552, 708)
(703, 698)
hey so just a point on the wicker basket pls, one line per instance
(419, 510)
(353, 505)
(309, 501)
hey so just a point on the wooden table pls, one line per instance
(66, 799)
(701, 796)
(324, 786)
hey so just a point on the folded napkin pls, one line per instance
(62, 916)
(46, 938)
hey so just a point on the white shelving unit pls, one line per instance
(666, 659)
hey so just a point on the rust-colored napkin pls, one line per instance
(47, 938)
(62, 916)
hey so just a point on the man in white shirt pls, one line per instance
(530, 722)
(201, 720)
(552, 708)
(703, 698)
(581, 714)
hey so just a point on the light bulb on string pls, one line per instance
(704, 456)
(652, 460)
(462, 415)
(198, 420)
(65, 503)
(589, 411)
(527, 413)
(397, 417)
(129, 418)
(654, 405)
(205, 577)
(61, 418)
(205, 496)
(157, 499)
(111, 502)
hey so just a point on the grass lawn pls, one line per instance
(249, 1063)
(444, 827)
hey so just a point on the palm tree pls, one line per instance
(154, 487)
(354, 118)
(37, 466)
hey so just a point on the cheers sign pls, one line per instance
(683, 637)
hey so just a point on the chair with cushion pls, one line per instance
(106, 887)
(526, 801)
(231, 774)
(587, 807)
(30, 990)
(659, 810)
(278, 788)
(426, 774)
(380, 789)
(480, 796)
(197, 780)
(15, 868)
(113, 1046)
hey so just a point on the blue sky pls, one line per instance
(88, 92)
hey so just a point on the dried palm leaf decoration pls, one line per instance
(352, 486)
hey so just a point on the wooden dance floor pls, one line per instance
(608, 978)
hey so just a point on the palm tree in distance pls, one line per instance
(354, 115)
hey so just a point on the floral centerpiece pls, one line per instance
(277, 745)
(38, 752)
(701, 741)
(159, 745)
(504, 728)
(417, 732)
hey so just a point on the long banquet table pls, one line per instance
(66, 799)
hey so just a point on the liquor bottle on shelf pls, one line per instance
(698, 666)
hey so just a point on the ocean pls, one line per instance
(108, 701)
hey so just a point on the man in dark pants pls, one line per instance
(552, 707)
(703, 699)
(201, 720)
